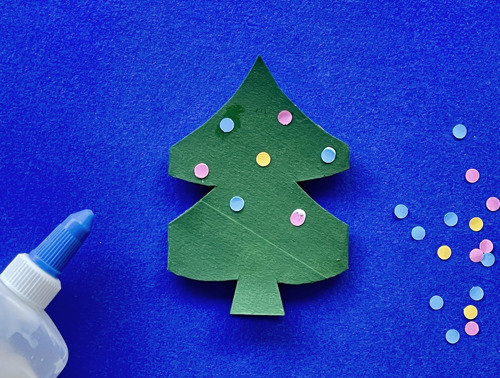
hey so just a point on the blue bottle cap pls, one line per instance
(54, 253)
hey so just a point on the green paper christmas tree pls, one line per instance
(257, 225)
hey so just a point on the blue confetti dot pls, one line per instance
(451, 219)
(401, 211)
(452, 336)
(226, 125)
(488, 260)
(459, 131)
(328, 155)
(436, 302)
(236, 203)
(476, 293)
(418, 233)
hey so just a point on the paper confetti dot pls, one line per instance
(488, 260)
(470, 312)
(471, 328)
(444, 252)
(459, 131)
(476, 224)
(401, 211)
(486, 246)
(201, 170)
(436, 302)
(451, 219)
(452, 336)
(418, 233)
(328, 155)
(236, 203)
(226, 125)
(285, 117)
(298, 217)
(476, 255)
(263, 159)
(493, 204)
(472, 175)
(476, 293)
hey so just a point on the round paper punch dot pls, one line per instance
(328, 155)
(236, 204)
(470, 312)
(472, 175)
(450, 219)
(444, 252)
(486, 246)
(201, 170)
(476, 224)
(452, 336)
(488, 260)
(493, 204)
(476, 255)
(418, 233)
(401, 211)
(285, 117)
(436, 302)
(459, 131)
(298, 217)
(263, 159)
(471, 328)
(476, 293)
(226, 125)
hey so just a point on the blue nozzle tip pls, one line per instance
(54, 253)
(79, 224)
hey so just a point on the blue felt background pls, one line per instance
(92, 96)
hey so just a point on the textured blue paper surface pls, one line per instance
(93, 95)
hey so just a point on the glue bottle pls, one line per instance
(30, 344)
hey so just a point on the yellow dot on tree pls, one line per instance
(470, 312)
(476, 224)
(444, 252)
(263, 159)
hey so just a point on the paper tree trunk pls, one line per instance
(256, 148)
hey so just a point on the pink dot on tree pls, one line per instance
(476, 255)
(298, 217)
(472, 175)
(285, 117)
(486, 246)
(201, 170)
(493, 204)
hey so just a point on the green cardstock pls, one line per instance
(257, 246)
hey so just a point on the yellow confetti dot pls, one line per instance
(470, 312)
(476, 224)
(444, 252)
(263, 159)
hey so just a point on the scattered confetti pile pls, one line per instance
(482, 254)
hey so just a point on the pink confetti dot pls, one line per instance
(298, 217)
(493, 204)
(471, 328)
(486, 246)
(285, 117)
(472, 175)
(476, 255)
(201, 170)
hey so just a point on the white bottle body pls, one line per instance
(30, 344)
